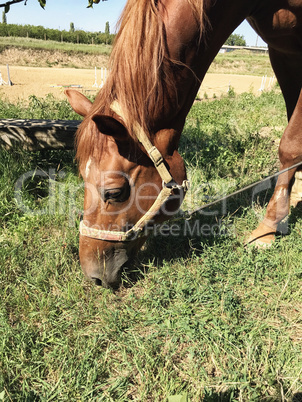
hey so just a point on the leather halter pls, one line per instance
(169, 185)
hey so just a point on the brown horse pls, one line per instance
(127, 143)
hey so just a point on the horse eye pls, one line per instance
(116, 194)
(113, 194)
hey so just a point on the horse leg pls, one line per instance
(288, 70)
(296, 190)
(290, 153)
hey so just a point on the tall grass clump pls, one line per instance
(37, 108)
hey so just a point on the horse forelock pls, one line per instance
(141, 76)
(89, 142)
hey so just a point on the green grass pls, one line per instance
(38, 44)
(221, 139)
(37, 108)
(200, 317)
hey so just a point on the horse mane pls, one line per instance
(141, 74)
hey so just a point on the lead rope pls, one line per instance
(188, 215)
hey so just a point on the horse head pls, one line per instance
(129, 187)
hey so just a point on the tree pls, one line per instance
(91, 2)
(4, 20)
(71, 27)
(235, 40)
(42, 3)
(107, 28)
(7, 4)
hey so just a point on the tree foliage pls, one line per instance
(39, 32)
(42, 3)
(107, 28)
(4, 20)
(235, 40)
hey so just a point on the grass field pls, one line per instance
(237, 62)
(29, 43)
(199, 318)
(242, 62)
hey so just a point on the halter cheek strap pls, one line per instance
(169, 186)
(152, 151)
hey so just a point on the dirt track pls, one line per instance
(41, 81)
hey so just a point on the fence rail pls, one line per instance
(38, 134)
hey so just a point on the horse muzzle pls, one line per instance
(105, 269)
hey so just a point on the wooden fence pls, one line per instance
(38, 134)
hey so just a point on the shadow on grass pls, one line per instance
(190, 237)
(177, 240)
(32, 397)
(230, 395)
(220, 396)
(181, 238)
(297, 397)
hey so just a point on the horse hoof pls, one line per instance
(262, 237)
(256, 242)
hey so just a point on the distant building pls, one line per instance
(254, 49)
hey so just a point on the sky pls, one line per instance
(58, 14)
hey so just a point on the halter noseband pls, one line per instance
(169, 185)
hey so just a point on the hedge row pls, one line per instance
(39, 32)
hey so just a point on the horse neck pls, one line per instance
(193, 48)
(159, 96)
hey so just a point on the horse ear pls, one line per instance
(110, 126)
(80, 104)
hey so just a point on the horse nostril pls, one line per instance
(104, 284)
(97, 281)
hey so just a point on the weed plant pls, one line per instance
(199, 318)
